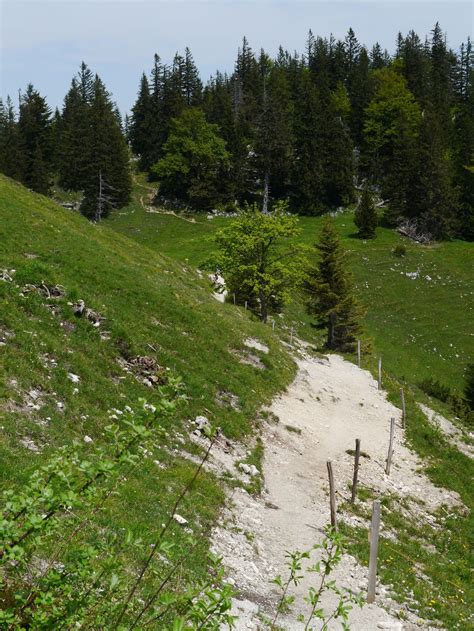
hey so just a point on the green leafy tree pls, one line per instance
(195, 161)
(391, 130)
(259, 259)
(330, 295)
(365, 217)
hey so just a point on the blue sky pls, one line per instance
(44, 41)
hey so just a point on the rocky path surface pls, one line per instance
(330, 404)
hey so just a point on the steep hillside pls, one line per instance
(61, 377)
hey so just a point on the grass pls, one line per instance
(419, 319)
(153, 306)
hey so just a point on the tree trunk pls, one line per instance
(331, 326)
(266, 189)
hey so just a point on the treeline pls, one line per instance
(308, 128)
(83, 146)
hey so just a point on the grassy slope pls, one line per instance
(422, 328)
(150, 302)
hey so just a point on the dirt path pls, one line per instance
(329, 405)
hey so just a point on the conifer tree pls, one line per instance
(142, 135)
(365, 217)
(10, 157)
(34, 128)
(307, 166)
(74, 133)
(330, 295)
(108, 180)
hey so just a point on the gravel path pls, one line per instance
(330, 404)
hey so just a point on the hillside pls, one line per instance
(420, 306)
(419, 318)
(62, 378)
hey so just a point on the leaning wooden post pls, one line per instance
(390, 446)
(358, 353)
(332, 495)
(356, 470)
(374, 548)
(380, 374)
(404, 410)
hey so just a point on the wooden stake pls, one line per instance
(234, 298)
(358, 353)
(246, 304)
(332, 495)
(404, 410)
(374, 549)
(273, 325)
(356, 470)
(390, 446)
(380, 374)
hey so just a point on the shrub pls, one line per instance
(399, 250)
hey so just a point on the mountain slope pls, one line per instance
(61, 377)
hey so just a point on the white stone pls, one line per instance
(180, 519)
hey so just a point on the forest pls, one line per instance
(309, 128)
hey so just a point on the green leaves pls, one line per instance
(259, 259)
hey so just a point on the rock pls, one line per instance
(72, 377)
(78, 308)
(180, 519)
(251, 342)
(87, 439)
(390, 625)
(201, 422)
(249, 469)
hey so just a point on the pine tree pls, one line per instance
(436, 201)
(329, 293)
(34, 129)
(274, 139)
(142, 134)
(10, 156)
(74, 133)
(307, 166)
(108, 180)
(365, 217)
(192, 84)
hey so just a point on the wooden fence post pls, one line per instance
(234, 298)
(374, 548)
(358, 353)
(390, 446)
(404, 410)
(380, 374)
(273, 325)
(356, 470)
(332, 495)
(246, 304)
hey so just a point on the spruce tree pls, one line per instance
(142, 134)
(34, 129)
(108, 180)
(307, 166)
(10, 156)
(74, 133)
(365, 217)
(330, 294)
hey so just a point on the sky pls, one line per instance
(44, 41)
